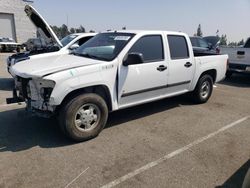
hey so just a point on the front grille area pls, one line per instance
(23, 87)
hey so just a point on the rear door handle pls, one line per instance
(240, 53)
(162, 68)
(188, 64)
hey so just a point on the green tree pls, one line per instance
(241, 42)
(223, 40)
(199, 31)
(64, 31)
(82, 29)
(72, 30)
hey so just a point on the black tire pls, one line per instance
(246, 183)
(198, 95)
(229, 74)
(69, 113)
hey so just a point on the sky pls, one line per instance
(230, 17)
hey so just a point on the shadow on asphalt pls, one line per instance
(238, 80)
(19, 131)
(6, 84)
(137, 112)
(237, 179)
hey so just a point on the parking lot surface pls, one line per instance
(168, 143)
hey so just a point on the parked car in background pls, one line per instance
(9, 45)
(112, 71)
(239, 59)
(34, 44)
(53, 46)
(205, 46)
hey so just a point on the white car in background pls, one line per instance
(9, 45)
(55, 46)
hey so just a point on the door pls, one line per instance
(181, 66)
(7, 28)
(147, 80)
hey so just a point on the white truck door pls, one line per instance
(140, 82)
(181, 65)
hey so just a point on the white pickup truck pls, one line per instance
(112, 71)
(239, 59)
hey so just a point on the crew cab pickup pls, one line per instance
(239, 59)
(54, 46)
(112, 71)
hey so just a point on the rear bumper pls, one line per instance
(240, 68)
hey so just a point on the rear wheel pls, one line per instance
(83, 117)
(203, 90)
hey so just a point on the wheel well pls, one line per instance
(100, 90)
(212, 73)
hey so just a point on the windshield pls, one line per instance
(104, 46)
(66, 40)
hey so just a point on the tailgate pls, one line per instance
(237, 55)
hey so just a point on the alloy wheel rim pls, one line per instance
(87, 117)
(205, 89)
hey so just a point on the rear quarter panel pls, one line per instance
(206, 63)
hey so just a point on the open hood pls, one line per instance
(214, 40)
(42, 25)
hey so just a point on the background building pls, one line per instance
(13, 21)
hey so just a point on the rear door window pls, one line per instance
(178, 47)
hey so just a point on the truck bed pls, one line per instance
(216, 62)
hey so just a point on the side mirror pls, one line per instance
(133, 59)
(74, 46)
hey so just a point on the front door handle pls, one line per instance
(162, 68)
(188, 64)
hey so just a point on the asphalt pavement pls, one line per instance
(168, 143)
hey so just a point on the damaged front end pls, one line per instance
(35, 92)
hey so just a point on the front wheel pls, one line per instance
(203, 90)
(83, 117)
